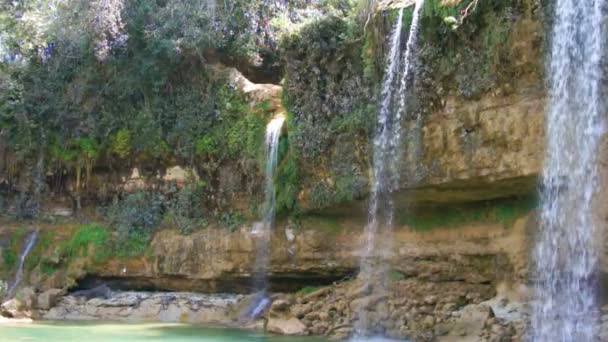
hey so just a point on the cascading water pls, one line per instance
(386, 157)
(211, 8)
(30, 241)
(408, 59)
(565, 255)
(262, 230)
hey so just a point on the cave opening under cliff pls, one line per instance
(278, 283)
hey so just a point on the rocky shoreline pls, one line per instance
(178, 247)
(443, 284)
(440, 312)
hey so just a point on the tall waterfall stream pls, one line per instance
(263, 230)
(565, 255)
(386, 157)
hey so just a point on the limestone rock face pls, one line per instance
(256, 92)
(217, 260)
(599, 205)
(49, 298)
(464, 149)
(145, 306)
(433, 274)
(470, 150)
(27, 298)
(494, 145)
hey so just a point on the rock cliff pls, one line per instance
(465, 211)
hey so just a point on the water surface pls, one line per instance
(103, 332)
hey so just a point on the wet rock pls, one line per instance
(9, 308)
(102, 291)
(312, 316)
(15, 308)
(49, 298)
(319, 328)
(342, 333)
(290, 326)
(280, 305)
(27, 297)
(257, 325)
(146, 306)
(368, 302)
(300, 310)
(428, 322)
(430, 300)
(316, 294)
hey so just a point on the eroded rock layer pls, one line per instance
(464, 216)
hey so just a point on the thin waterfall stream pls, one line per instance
(566, 255)
(386, 161)
(263, 230)
(30, 241)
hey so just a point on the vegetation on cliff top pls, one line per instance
(333, 68)
(91, 85)
(89, 92)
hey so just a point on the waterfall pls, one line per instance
(410, 53)
(30, 241)
(262, 230)
(386, 158)
(273, 132)
(565, 255)
(211, 9)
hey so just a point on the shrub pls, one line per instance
(10, 253)
(287, 184)
(186, 208)
(83, 239)
(231, 219)
(121, 143)
(9, 258)
(135, 218)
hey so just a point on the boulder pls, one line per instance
(27, 298)
(300, 310)
(280, 305)
(14, 308)
(9, 308)
(342, 333)
(367, 303)
(283, 326)
(49, 298)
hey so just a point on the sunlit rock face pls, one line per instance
(479, 150)
(461, 241)
(472, 133)
(144, 306)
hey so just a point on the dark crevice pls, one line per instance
(283, 282)
(265, 70)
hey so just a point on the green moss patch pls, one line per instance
(10, 254)
(323, 223)
(87, 238)
(503, 212)
(309, 289)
